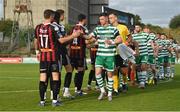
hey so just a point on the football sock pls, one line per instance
(76, 79)
(143, 76)
(116, 80)
(168, 71)
(55, 89)
(91, 75)
(80, 80)
(110, 86)
(100, 82)
(68, 78)
(42, 89)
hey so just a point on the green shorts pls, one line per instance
(151, 60)
(167, 59)
(106, 62)
(173, 60)
(142, 59)
(161, 60)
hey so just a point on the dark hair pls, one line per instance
(113, 13)
(103, 14)
(158, 33)
(81, 17)
(164, 35)
(60, 11)
(57, 17)
(48, 13)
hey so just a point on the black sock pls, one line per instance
(59, 85)
(76, 79)
(68, 78)
(91, 76)
(46, 83)
(55, 89)
(96, 83)
(80, 80)
(94, 75)
(42, 89)
(51, 83)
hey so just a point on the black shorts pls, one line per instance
(65, 60)
(75, 62)
(119, 62)
(49, 66)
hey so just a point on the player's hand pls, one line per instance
(88, 46)
(86, 37)
(76, 34)
(108, 42)
(38, 55)
(155, 54)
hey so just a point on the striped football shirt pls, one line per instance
(102, 33)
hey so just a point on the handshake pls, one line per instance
(77, 33)
(108, 43)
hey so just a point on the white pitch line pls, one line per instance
(28, 78)
(19, 91)
(28, 91)
(22, 91)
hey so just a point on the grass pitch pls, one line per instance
(19, 91)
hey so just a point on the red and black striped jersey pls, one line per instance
(78, 45)
(47, 39)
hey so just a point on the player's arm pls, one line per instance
(90, 40)
(36, 46)
(170, 49)
(136, 47)
(135, 43)
(117, 39)
(69, 37)
(63, 39)
(91, 43)
(129, 39)
(92, 37)
(152, 44)
(160, 46)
